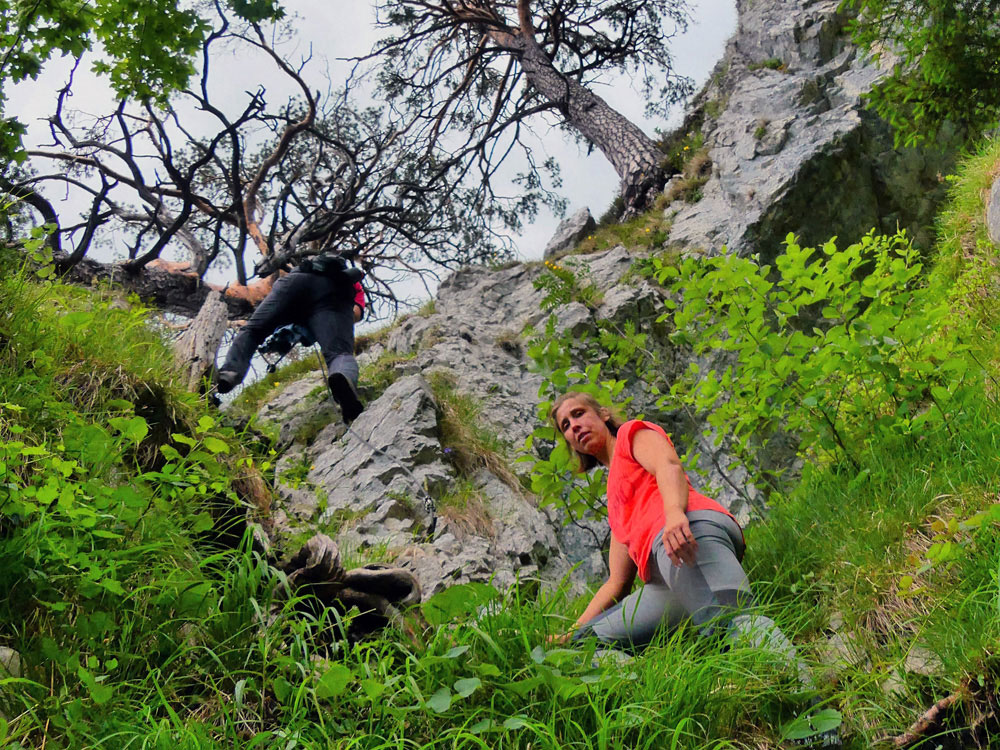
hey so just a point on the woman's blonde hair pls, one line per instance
(587, 462)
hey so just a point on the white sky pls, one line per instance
(332, 30)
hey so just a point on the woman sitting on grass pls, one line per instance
(685, 547)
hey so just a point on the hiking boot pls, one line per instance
(225, 381)
(826, 740)
(346, 397)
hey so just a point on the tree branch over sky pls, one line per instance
(147, 46)
(273, 177)
(478, 73)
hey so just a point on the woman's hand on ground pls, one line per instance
(558, 639)
(678, 540)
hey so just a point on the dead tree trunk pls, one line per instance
(631, 152)
(196, 347)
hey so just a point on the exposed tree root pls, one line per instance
(928, 719)
(965, 719)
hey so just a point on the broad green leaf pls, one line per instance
(485, 725)
(523, 687)
(113, 586)
(440, 701)
(99, 693)
(215, 445)
(133, 429)
(282, 689)
(445, 607)
(202, 522)
(466, 687)
(516, 722)
(810, 724)
(333, 682)
(372, 688)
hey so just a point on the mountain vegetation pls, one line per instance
(943, 61)
(140, 611)
(854, 383)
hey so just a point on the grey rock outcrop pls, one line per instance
(794, 149)
(10, 662)
(298, 405)
(993, 213)
(570, 231)
(368, 475)
(791, 149)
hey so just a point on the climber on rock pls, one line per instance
(324, 295)
(686, 548)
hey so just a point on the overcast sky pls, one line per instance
(333, 30)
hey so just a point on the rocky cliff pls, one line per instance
(789, 149)
(792, 148)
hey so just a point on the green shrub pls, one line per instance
(838, 348)
(771, 63)
(565, 284)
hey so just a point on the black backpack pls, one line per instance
(332, 266)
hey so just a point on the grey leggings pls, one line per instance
(712, 593)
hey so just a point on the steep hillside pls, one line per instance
(146, 537)
(131, 621)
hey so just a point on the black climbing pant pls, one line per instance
(322, 304)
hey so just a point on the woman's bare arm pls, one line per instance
(619, 583)
(657, 456)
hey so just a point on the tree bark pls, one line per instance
(171, 287)
(196, 347)
(631, 152)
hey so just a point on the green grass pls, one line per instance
(118, 598)
(137, 630)
(256, 394)
(771, 63)
(378, 375)
(647, 230)
(469, 443)
(966, 258)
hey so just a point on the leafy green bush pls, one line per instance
(564, 284)
(943, 56)
(836, 348)
(553, 468)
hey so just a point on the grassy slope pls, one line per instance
(134, 632)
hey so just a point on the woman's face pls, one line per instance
(582, 426)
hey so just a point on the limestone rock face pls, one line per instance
(300, 403)
(388, 457)
(993, 213)
(793, 149)
(570, 231)
(10, 662)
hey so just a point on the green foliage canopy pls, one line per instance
(948, 65)
(146, 46)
